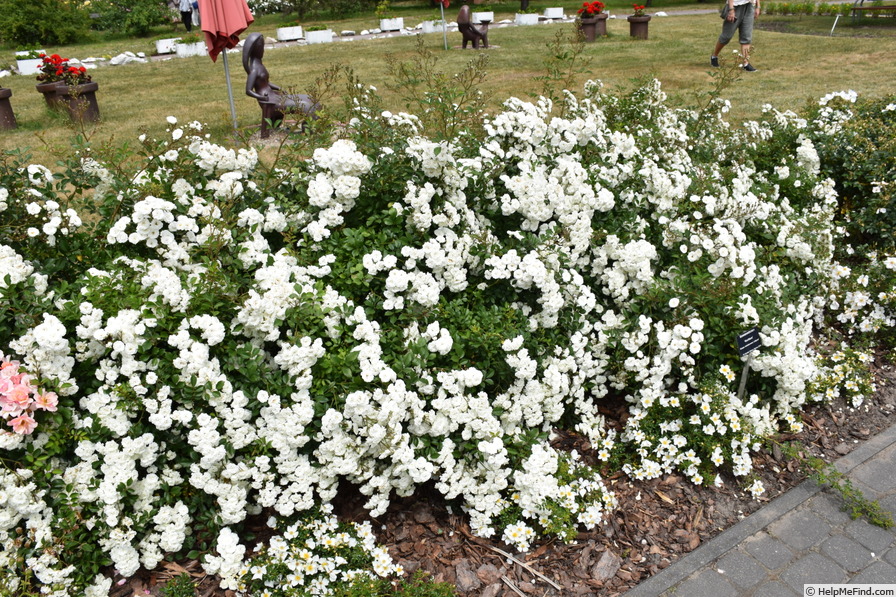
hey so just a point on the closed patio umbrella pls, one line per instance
(222, 22)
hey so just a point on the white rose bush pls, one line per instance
(205, 337)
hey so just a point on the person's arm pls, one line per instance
(730, 16)
(757, 8)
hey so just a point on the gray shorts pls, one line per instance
(743, 21)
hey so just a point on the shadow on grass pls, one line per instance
(822, 25)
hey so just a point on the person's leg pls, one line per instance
(746, 32)
(728, 29)
(187, 19)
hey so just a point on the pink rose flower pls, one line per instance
(23, 424)
(46, 401)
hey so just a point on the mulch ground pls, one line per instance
(658, 522)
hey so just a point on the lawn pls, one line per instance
(793, 69)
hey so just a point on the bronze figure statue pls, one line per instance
(272, 101)
(471, 32)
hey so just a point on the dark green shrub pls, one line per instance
(132, 17)
(179, 586)
(859, 157)
(42, 22)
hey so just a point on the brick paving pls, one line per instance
(801, 537)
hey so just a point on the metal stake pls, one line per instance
(444, 24)
(229, 88)
(743, 377)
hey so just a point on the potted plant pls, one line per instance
(526, 17)
(49, 76)
(77, 93)
(69, 86)
(435, 24)
(190, 45)
(166, 45)
(388, 22)
(483, 17)
(592, 20)
(638, 22)
(318, 34)
(432, 26)
(290, 32)
(28, 62)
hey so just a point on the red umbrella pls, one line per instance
(222, 22)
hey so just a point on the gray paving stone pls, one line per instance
(878, 573)
(707, 583)
(741, 569)
(813, 568)
(802, 537)
(830, 508)
(846, 552)
(800, 529)
(873, 537)
(888, 503)
(776, 589)
(868, 491)
(879, 473)
(770, 552)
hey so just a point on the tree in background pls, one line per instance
(311, 8)
(42, 22)
(132, 17)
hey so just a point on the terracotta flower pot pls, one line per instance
(80, 100)
(638, 26)
(7, 118)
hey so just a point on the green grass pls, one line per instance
(794, 69)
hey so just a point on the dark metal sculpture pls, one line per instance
(471, 32)
(273, 102)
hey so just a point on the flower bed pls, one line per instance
(226, 340)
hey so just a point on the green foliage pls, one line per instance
(42, 22)
(859, 156)
(179, 586)
(446, 104)
(819, 8)
(383, 9)
(132, 17)
(312, 8)
(823, 473)
(843, 373)
(564, 59)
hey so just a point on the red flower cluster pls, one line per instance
(639, 9)
(57, 69)
(591, 9)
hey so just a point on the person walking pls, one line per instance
(186, 14)
(739, 17)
